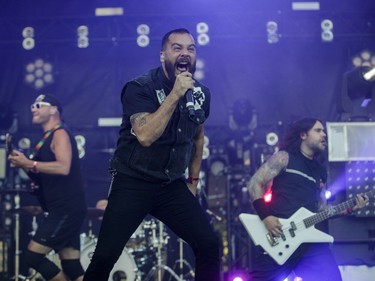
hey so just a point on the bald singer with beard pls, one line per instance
(159, 139)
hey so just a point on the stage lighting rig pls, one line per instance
(143, 39)
(202, 30)
(356, 100)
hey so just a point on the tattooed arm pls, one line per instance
(258, 182)
(148, 127)
(257, 188)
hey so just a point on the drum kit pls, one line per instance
(143, 259)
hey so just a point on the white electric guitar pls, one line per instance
(298, 229)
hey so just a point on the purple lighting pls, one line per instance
(237, 276)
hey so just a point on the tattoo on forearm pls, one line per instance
(266, 173)
(138, 119)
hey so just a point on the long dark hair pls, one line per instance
(291, 142)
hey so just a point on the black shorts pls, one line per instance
(60, 231)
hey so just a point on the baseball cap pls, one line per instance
(50, 99)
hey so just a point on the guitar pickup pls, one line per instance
(283, 237)
(292, 229)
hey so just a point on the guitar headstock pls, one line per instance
(8, 144)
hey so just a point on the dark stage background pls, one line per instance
(299, 75)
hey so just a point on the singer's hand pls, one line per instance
(184, 81)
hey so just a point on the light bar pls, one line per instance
(106, 12)
(369, 75)
(109, 122)
(305, 6)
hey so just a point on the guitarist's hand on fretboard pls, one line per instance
(361, 200)
(273, 226)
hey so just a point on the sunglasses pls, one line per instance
(40, 104)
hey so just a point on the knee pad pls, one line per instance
(41, 264)
(72, 268)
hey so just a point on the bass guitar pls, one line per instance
(297, 229)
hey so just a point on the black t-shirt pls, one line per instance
(299, 185)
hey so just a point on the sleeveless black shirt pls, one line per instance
(60, 194)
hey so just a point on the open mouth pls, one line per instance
(183, 66)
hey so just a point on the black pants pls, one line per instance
(130, 200)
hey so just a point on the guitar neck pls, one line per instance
(333, 211)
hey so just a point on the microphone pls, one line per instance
(190, 102)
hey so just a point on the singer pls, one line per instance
(159, 139)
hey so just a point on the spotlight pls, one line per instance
(328, 194)
(199, 72)
(356, 100)
(82, 36)
(327, 30)
(369, 75)
(272, 27)
(82, 42)
(272, 32)
(28, 42)
(202, 27)
(365, 58)
(360, 82)
(28, 32)
(326, 24)
(143, 41)
(237, 276)
(143, 29)
(272, 138)
(327, 36)
(39, 74)
(203, 39)
(82, 30)
(38, 84)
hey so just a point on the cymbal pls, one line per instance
(29, 210)
(94, 213)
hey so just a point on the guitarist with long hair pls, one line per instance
(56, 170)
(297, 180)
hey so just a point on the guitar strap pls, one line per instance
(36, 187)
(46, 136)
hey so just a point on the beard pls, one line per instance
(171, 69)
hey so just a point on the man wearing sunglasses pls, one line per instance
(55, 170)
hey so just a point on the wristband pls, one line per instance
(191, 179)
(35, 169)
(349, 211)
(261, 207)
